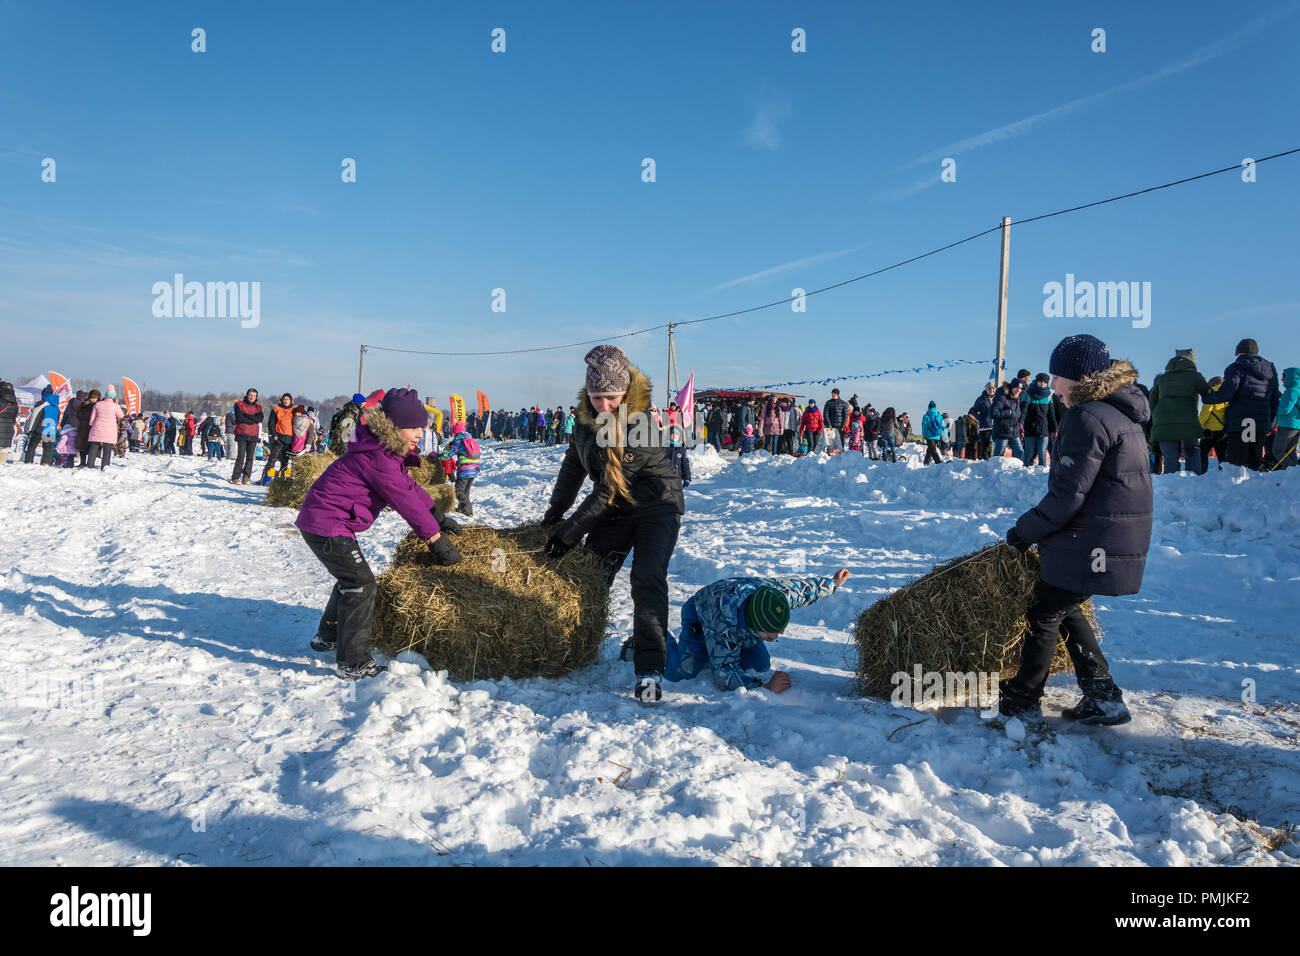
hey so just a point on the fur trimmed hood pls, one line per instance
(637, 399)
(1101, 385)
(1116, 386)
(385, 432)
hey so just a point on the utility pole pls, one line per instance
(672, 365)
(1002, 300)
(361, 367)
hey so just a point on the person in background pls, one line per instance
(1039, 420)
(1007, 416)
(1288, 420)
(464, 450)
(871, 431)
(8, 419)
(834, 418)
(1099, 501)
(248, 427)
(770, 422)
(853, 436)
(279, 431)
(932, 430)
(675, 449)
(1175, 425)
(812, 426)
(211, 433)
(1250, 390)
(982, 409)
(889, 434)
(102, 436)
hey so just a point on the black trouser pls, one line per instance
(715, 440)
(1055, 613)
(101, 450)
(47, 452)
(245, 454)
(351, 606)
(1247, 453)
(932, 451)
(985, 444)
(279, 451)
(1216, 441)
(651, 536)
(786, 445)
(462, 496)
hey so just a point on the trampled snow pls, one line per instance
(161, 704)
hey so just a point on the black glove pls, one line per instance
(445, 521)
(1017, 542)
(444, 552)
(552, 517)
(555, 548)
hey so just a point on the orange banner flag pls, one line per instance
(131, 393)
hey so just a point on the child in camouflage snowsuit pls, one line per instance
(726, 625)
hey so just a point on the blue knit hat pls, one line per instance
(767, 610)
(1078, 356)
(404, 408)
(358, 399)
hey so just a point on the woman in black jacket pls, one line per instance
(636, 503)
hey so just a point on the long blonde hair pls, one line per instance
(616, 444)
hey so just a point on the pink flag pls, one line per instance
(686, 400)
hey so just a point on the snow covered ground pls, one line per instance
(161, 705)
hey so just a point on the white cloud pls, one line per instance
(785, 267)
(764, 130)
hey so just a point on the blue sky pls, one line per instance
(522, 171)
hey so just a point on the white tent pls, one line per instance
(29, 395)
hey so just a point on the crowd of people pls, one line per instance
(1089, 408)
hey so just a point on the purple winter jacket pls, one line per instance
(351, 492)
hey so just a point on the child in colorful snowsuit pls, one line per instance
(463, 449)
(676, 452)
(726, 627)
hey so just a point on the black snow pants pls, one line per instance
(1056, 613)
(351, 606)
(651, 535)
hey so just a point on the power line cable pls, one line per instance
(837, 285)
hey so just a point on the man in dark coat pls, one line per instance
(1040, 419)
(1250, 389)
(714, 423)
(835, 415)
(983, 412)
(248, 427)
(1092, 528)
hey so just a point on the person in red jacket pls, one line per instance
(812, 426)
(247, 416)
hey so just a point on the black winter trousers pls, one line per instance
(932, 451)
(100, 450)
(1057, 613)
(651, 536)
(462, 496)
(351, 605)
(1247, 453)
(245, 455)
(279, 453)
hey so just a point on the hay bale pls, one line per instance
(307, 467)
(510, 615)
(303, 472)
(965, 615)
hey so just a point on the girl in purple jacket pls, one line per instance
(346, 499)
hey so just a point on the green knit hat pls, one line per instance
(767, 611)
